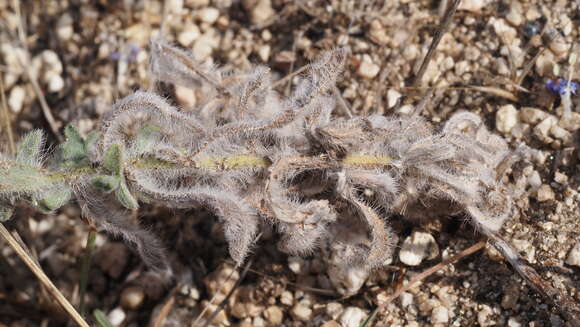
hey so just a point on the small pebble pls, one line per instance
(573, 258)
(392, 98)
(506, 118)
(572, 124)
(261, 11)
(504, 30)
(55, 83)
(208, 15)
(185, 96)
(189, 34)
(526, 248)
(298, 265)
(514, 322)
(132, 298)
(117, 316)
(16, 99)
(560, 178)
(560, 133)
(174, 6)
(559, 47)
(484, 316)
(352, 317)
(534, 180)
(532, 115)
(203, 47)
(368, 69)
(258, 322)
(406, 299)
(545, 64)
(242, 310)
(334, 309)
(417, 247)
(287, 298)
(440, 315)
(264, 53)
(274, 315)
(301, 312)
(474, 6)
(515, 16)
(542, 130)
(197, 3)
(64, 27)
(51, 62)
(378, 33)
(545, 193)
(347, 280)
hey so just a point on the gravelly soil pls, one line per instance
(87, 54)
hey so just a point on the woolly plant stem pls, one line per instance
(37, 271)
(234, 162)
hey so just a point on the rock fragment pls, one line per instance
(417, 247)
(440, 315)
(189, 34)
(301, 311)
(132, 298)
(368, 69)
(16, 99)
(260, 11)
(545, 193)
(573, 258)
(274, 315)
(352, 317)
(506, 118)
(532, 115)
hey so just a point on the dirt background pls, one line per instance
(496, 60)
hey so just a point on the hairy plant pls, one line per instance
(254, 157)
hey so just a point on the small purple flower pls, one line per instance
(115, 55)
(560, 86)
(133, 52)
(128, 54)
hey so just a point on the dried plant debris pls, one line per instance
(254, 157)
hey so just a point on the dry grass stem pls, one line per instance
(37, 271)
(6, 115)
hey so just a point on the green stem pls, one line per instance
(85, 269)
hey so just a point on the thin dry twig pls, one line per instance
(211, 300)
(342, 102)
(230, 293)
(496, 91)
(165, 309)
(37, 271)
(320, 291)
(528, 67)
(417, 279)
(441, 29)
(7, 116)
(289, 76)
(566, 305)
(35, 86)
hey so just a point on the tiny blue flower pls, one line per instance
(560, 86)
